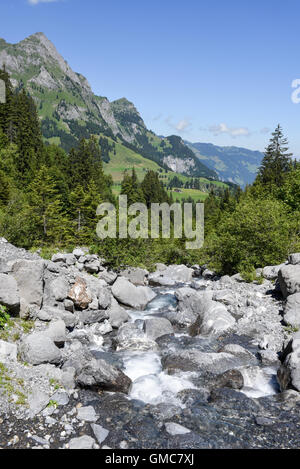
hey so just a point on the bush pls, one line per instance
(258, 233)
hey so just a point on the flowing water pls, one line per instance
(152, 385)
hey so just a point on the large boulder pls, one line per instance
(104, 298)
(271, 272)
(37, 348)
(289, 373)
(48, 314)
(9, 293)
(80, 294)
(29, 276)
(214, 319)
(157, 327)
(289, 279)
(294, 259)
(171, 275)
(56, 286)
(136, 275)
(195, 360)
(60, 288)
(130, 295)
(108, 277)
(97, 374)
(190, 304)
(292, 310)
(116, 314)
(57, 332)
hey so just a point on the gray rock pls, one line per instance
(208, 274)
(230, 379)
(37, 401)
(78, 252)
(264, 421)
(240, 352)
(59, 257)
(175, 429)
(8, 351)
(56, 332)
(37, 348)
(93, 317)
(69, 305)
(136, 275)
(117, 315)
(92, 267)
(84, 442)
(157, 327)
(29, 276)
(292, 310)
(130, 295)
(48, 314)
(294, 259)
(100, 433)
(59, 288)
(271, 272)
(70, 259)
(95, 373)
(9, 293)
(87, 414)
(224, 296)
(60, 397)
(195, 360)
(104, 298)
(171, 275)
(213, 318)
(190, 304)
(289, 373)
(268, 357)
(108, 277)
(289, 279)
(104, 328)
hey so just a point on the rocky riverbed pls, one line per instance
(177, 358)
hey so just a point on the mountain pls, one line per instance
(69, 110)
(234, 164)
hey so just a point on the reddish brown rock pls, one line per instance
(80, 294)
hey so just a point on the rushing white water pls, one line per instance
(259, 382)
(152, 385)
(149, 383)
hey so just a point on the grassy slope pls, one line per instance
(126, 159)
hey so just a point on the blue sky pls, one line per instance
(210, 71)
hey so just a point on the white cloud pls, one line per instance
(36, 2)
(232, 131)
(183, 125)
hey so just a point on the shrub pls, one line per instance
(259, 232)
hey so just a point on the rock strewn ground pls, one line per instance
(222, 332)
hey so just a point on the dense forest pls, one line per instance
(48, 200)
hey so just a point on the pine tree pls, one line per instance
(276, 162)
(130, 186)
(45, 208)
(153, 189)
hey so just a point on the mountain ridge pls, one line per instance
(234, 164)
(69, 110)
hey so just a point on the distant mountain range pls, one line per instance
(234, 164)
(69, 110)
